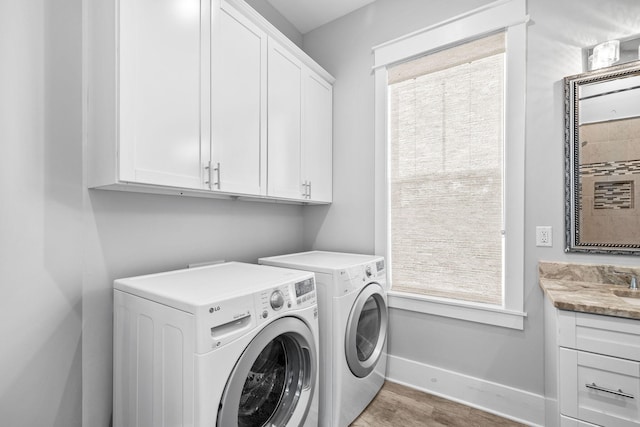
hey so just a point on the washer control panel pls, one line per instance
(230, 319)
(294, 295)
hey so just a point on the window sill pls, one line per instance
(463, 310)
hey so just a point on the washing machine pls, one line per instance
(352, 302)
(232, 344)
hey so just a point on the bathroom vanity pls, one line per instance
(592, 345)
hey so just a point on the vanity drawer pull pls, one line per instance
(606, 390)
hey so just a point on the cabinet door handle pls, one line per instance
(207, 171)
(618, 392)
(217, 170)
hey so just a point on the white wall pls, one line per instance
(556, 34)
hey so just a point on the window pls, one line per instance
(450, 165)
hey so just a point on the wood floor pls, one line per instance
(397, 405)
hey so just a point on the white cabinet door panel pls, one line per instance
(239, 50)
(317, 130)
(284, 124)
(159, 92)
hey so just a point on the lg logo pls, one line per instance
(214, 309)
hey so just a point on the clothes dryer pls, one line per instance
(352, 302)
(231, 344)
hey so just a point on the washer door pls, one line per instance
(366, 330)
(272, 383)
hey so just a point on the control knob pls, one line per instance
(276, 300)
(367, 271)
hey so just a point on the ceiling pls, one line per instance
(307, 15)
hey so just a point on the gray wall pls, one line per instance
(556, 34)
(277, 20)
(41, 213)
(61, 245)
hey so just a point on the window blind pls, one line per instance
(446, 123)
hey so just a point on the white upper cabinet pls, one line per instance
(239, 102)
(300, 129)
(204, 98)
(284, 123)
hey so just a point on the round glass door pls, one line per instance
(366, 330)
(273, 379)
(265, 385)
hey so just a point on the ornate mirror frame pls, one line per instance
(608, 187)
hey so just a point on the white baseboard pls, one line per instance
(508, 402)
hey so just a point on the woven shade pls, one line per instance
(446, 172)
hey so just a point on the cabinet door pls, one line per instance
(239, 61)
(284, 127)
(317, 135)
(159, 92)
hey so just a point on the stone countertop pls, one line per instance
(588, 297)
(588, 289)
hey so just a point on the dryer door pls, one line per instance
(366, 330)
(274, 379)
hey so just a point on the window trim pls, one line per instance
(510, 16)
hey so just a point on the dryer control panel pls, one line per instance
(358, 276)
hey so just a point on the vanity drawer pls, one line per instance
(613, 336)
(599, 389)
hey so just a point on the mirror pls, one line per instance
(602, 164)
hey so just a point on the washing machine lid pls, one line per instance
(190, 289)
(320, 261)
